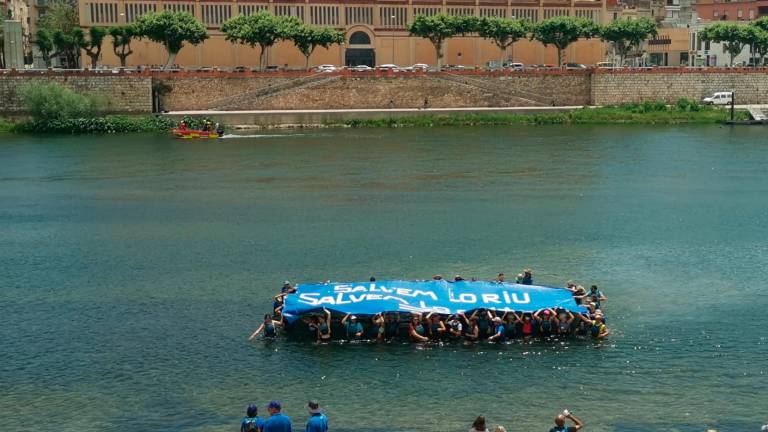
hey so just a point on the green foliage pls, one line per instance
(59, 15)
(196, 122)
(503, 32)
(683, 112)
(627, 34)
(5, 125)
(262, 29)
(121, 41)
(60, 33)
(96, 125)
(53, 102)
(307, 38)
(44, 42)
(172, 29)
(438, 28)
(733, 36)
(562, 31)
(92, 45)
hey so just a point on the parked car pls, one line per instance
(605, 65)
(272, 68)
(719, 98)
(239, 69)
(326, 68)
(574, 66)
(389, 66)
(515, 66)
(361, 68)
(420, 67)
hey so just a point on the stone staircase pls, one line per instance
(249, 100)
(520, 97)
(757, 113)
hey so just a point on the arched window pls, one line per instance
(359, 38)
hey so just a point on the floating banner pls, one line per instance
(439, 296)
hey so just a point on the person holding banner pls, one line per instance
(436, 326)
(377, 327)
(499, 334)
(472, 331)
(354, 328)
(324, 326)
(416, 330)
(454, 327)
(392, 326)
(269, 327)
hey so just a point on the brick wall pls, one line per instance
(610, 88)
(127, 94)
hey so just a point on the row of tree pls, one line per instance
(736, 36)
(560, 32)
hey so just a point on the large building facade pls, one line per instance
(375, 31)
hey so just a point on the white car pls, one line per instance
(516, 66)
(420, 67)
(389, 66)
(361, 68)
(719, 98)
(327, 68)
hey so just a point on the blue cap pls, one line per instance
(252, 410)
(274, 405)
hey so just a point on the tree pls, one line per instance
(759, 42)
(562, 31)
(307, 38)
(503, 32)
(93, 44)
(121, 41)
(64, 37)
(438, 28)
(44, 42)
(627, 34)
(3, 13)
(733, 36)
(262, 29)
(172, 29)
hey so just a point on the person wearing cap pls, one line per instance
(269, 327)
(527, 277)
(599, 329)
(277, 421)
(545, 318)
(317, 422)
(353, 327)
(560, 423)
(287, 288)
(454, 327)
(251, 422)
(499, 332)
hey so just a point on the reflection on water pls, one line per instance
(135, 267)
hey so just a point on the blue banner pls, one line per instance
(439, 296)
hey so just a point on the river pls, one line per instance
(135, 267)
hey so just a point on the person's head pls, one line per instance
(519, 277)
(353, 318)
(580, 290)
(252, 410)
(545, 313)
(560, 420)
(570, 284)
(437, 277)
(372, 279)
(479, 423)
(267, 318)
(598, 317)
(313, 407)
(415, 319)
(528, 272)
(500, 277)
(458, 278)
(274, 407)
(435, 319)
(526, 317)
(496, 320)
(591, 307)
(593, 288)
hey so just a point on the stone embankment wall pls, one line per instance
(127, 93)
(132, 92)
(750, 86)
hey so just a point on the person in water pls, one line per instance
(436, 326)
(392, 326)
(182, 125)
(564, 322)
(377, 327)
(472, 331)
(545, 318)
(416, 330)
(527, 277)
(324, 326)
(353, 327)
(599, 330)
(251, 422)
(479, 425)
(500, 332)
(560, 423)
(500, 278)
(268, 327)
(454, 327)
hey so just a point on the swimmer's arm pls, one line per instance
(344, 320)
(256, 333)
(578, 424)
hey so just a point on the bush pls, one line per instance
(688, 105)
(97, 125)
(52, 102)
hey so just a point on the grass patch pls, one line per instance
(95, 125)
(683, 112)
(5, 125)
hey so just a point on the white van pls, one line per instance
(719, 98)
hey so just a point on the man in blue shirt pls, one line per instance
(317, 422)
(277, 421)
(251, 422)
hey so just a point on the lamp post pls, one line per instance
(392, 24)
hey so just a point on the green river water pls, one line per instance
(133, 268)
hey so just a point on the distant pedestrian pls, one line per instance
(560, 423)
(317, 422)
(426, 102)
(251, 422)
(479, 425)
(277, 421)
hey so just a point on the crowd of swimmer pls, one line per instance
(479, 325)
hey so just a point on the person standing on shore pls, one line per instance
(560, 423)
(251, 422)
(277, 421)
(317, 422)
